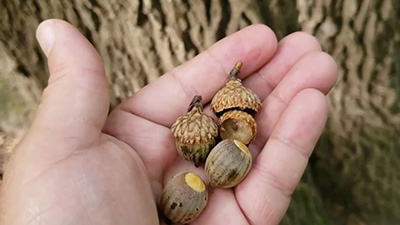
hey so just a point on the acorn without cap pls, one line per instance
(228, 163)
(234, 95)
(195, 133)
(184, 198)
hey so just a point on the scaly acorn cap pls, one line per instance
(195, 127)
(239, 125)
(235, 95)
(195, 133)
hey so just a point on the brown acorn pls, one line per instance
(239, 125)
(228, 163)
(195, 133)
(234, 95)
(184, 197)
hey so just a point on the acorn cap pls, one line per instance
(239, 125)
(195, 127)
(235, 95)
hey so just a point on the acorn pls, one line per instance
(239, 125)
(184, 197)
(235, 96)
(228, 163)
(195, 133)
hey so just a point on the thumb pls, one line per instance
(76, 101)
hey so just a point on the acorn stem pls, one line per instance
(196, 102)
(235, 70)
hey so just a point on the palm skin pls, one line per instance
(78, 165)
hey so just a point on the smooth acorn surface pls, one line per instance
(228, 163)
(195, 133)
(184, 197)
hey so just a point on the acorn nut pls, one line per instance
(239, 125)
(195, 133)
(184, 197)
(228, 163)
(235, 96)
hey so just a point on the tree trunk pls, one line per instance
(353, 176)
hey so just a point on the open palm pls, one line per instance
(78, 165)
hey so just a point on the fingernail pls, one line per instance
(45, 34)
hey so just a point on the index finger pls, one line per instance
(169, 96)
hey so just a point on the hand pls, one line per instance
(76, 165)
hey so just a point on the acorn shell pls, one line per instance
(228, 163)
(184, 197)
(237, 125)
(195, 153)
(195, 133)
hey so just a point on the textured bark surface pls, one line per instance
(358, 157)
(353, 177)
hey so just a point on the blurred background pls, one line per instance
(354, 175)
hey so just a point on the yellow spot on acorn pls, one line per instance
(241, 146)
(195, 182)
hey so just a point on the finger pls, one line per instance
(265, 193)
(221, 208)
(168, 97)
(290, 50)
(75, 103)
(315, 70)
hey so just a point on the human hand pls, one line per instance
(77, 165)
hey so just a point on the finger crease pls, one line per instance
(63, 71)
(257, 145)
(248, 220)
(279, 98)
(273, 181)
(217, 62)
(131, 111)
(188, 89)
(291, 145)
(267, 81)
(53, 165)
(37, 214)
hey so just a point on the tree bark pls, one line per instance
(358, 157)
